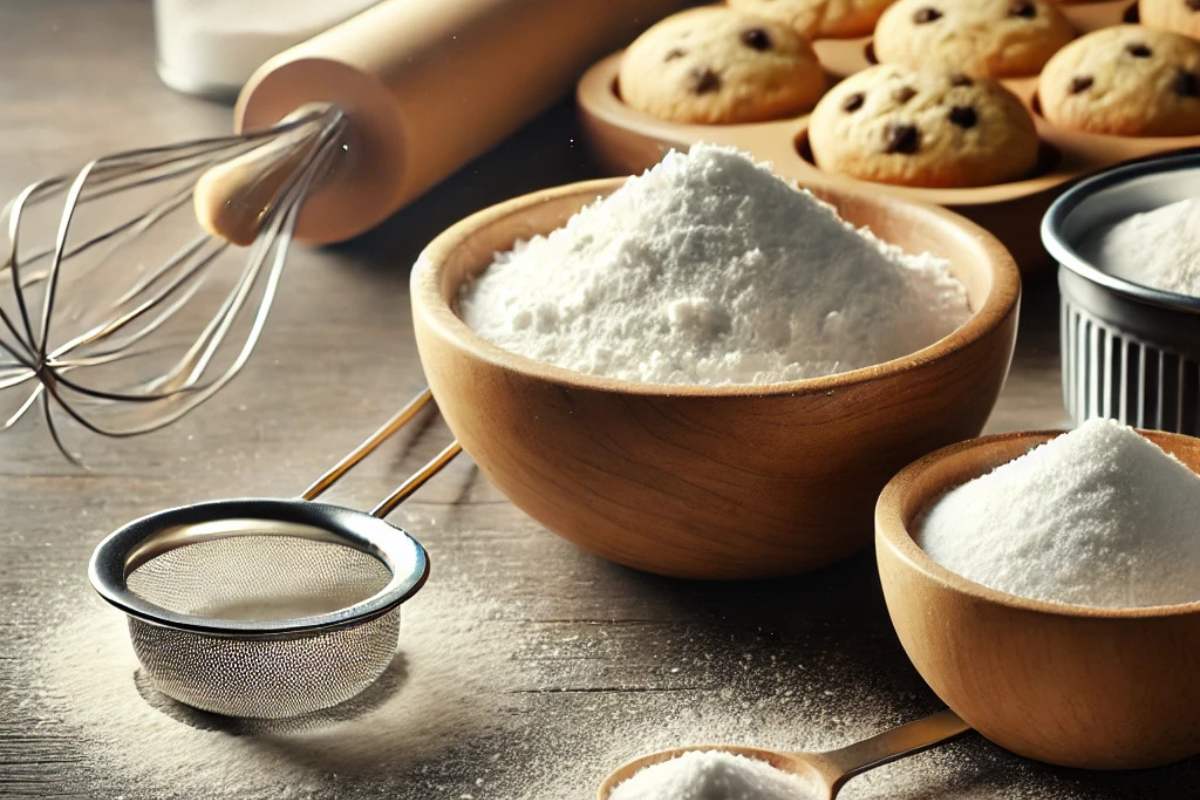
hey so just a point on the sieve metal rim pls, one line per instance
(397, 549)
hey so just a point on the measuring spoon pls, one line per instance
(827, 772)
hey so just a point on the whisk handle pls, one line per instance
(233, 198)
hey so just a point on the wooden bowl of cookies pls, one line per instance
(967, 147)
(716, 482)
(1078, 686)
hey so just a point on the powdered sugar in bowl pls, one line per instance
(726, 481)
(1076, 685)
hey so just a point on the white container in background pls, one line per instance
(210, 47)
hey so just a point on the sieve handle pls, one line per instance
(416, 480)
(371, 443)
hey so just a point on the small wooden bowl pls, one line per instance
(1071, 685)
(710, 482)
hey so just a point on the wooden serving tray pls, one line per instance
(627, 141)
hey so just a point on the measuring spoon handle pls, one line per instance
(913, 737)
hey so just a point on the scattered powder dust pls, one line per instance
(1099, 516)
(709, 269)
(498, 694)
(1159, 248)
(712, 775)
(160, 748)
(455, 720)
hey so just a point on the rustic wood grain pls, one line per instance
(599, 641)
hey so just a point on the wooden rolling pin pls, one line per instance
(429, 85)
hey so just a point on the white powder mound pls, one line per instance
(708, 269)
(1159, 248)
(1099, 516)
(712, 775)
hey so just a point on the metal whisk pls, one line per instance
(99, 264)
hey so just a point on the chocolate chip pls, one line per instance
(1194, 5)
(1081, 83)
(927, 14)
(674, 53)
(705, 81)
(964, 116)
(959, 79)
(904, 94)
(756, 39)
(901, 137)
(1138, 50)
(853, 102)
(1022, 9)
(1186, 84)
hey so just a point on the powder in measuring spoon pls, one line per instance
(709, 269)
(1159, 248)
(1099, 516)
(712, 775)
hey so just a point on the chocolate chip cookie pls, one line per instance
(894, 124)
(1126, 80)
(719, 65)
(984, 38)
(1179, 16)
(819, 18)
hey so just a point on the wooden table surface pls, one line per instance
(526, 668)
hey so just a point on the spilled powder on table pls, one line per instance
(161, 748)
(453, 719)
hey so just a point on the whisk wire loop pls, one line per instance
(91, 357)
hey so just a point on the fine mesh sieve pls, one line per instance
(268, 608)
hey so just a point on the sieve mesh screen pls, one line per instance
(259, 571)
(259, 578)
(266, 678)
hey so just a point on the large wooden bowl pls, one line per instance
(1071, 685)
(703, 482)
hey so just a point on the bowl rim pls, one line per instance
(1001, 300)
(1069, 257)
(892, 531)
